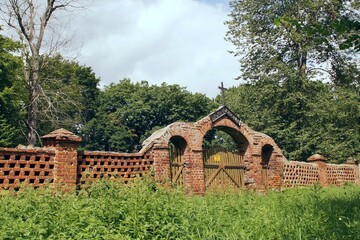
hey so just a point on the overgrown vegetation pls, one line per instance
(111, 211)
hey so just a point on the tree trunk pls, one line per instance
(302, 66)
(301, 60)
(32, 116)
(34, 92)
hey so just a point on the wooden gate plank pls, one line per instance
(232, 179)
(178, 174)
(176, 165)
(213, 176)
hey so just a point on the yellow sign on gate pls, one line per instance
(217, 158)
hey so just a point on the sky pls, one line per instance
(173, 41)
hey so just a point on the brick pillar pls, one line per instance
(253, 173)
(196, 172)
(253, 168)
(321, 162)
(276, 165)
(160, 154)
(66, 154)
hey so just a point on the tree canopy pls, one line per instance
(287, 49)
(12, 93)
(129, 112)
(318, 119)
(70, 94)
(284, 40)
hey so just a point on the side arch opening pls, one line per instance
(177, 150)
(266, 152)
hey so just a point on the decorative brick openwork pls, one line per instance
(23, 165)
(339, 174)
(117, 166)
(300, 174)
(263, 166)
(61, 164)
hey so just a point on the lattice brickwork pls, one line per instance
(119, 166)
(339, 174)
(31, 166)
(300, 174)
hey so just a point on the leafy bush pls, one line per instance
(107, 210)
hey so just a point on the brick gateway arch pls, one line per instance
(259, 166)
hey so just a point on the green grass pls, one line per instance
(112, 211)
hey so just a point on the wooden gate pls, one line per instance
(224, 169)
(177, 165)
(266, 152)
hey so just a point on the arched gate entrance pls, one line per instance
(223, 156)
(181, 157)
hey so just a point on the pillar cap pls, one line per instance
(317, 157)
(62, 135)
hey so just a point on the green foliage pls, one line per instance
(284, 40)
(67, 98)
(7, 133)
(129, 112)
(69, 94)
(286, 47)
(303, 117)
(217, 138)
(108, 210)
(12, 94)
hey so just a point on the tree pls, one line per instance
(320, 118)
(12, 93)
(285, 48)
(71, 92)
(129, 112)
(334, 123)
(285, 40)
(30, 19)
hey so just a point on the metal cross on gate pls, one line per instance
(222, 88)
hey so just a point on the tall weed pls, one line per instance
(108, 210)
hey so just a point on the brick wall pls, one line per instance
(339, 174)
(317, 171)
(297, 174)
(34, 166)
(61, 164)
(123, 167)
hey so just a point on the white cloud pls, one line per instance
(174, 41)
